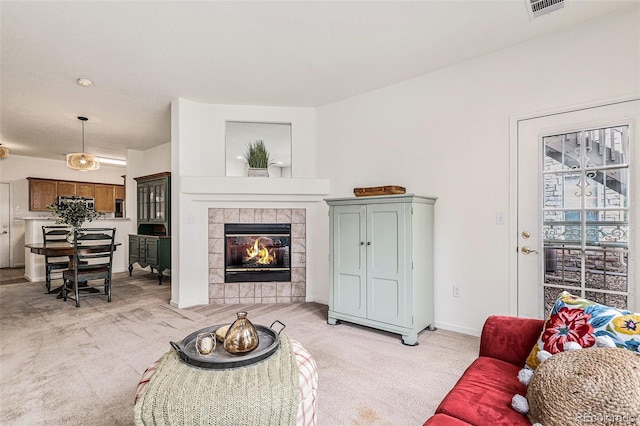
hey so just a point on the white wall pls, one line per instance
(447, 134)
(143, 163)
(198, 150)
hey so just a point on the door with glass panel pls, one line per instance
(577, 207)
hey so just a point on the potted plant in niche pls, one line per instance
(73, 213)
(258, 158)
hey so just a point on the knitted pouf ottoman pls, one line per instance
(593, 385)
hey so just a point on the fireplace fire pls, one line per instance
(257, 252)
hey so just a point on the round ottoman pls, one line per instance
(593, 385)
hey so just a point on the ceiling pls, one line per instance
(142, 54)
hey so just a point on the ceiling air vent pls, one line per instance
(537, 8)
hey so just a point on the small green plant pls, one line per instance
(73, 213)
(257, 155)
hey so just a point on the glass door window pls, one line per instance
(585, 217)
(143, 202)
(157, 200)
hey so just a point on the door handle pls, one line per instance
(4, 232)
(528, 250)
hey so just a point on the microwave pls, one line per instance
(90, 202)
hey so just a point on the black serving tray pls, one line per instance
(268, 343)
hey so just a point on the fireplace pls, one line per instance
(224, 292)
(257, 252)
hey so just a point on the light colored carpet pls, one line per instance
(62, 365)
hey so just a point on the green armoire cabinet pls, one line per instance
(151, 246)
(381, 263)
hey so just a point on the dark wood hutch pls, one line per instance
(151, 245)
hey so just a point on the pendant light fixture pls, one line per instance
(4, 152)
(81, 160)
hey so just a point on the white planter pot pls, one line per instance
(255, 172)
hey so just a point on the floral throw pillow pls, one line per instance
(574, 319)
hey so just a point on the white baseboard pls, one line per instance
(458, 329)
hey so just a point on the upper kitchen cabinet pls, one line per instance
(154, 204)
(86, 190)
(120, 195)
(105, 198)
(42, 193)
(66, 189)
(75, 189)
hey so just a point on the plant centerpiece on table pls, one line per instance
(73, 213)
(258, 158)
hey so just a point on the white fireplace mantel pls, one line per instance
(210, 188)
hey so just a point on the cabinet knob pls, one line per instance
(368, 243)
(361, 243)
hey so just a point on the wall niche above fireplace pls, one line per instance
(257, 252)
(276, 137)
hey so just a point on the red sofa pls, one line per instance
(483, 394)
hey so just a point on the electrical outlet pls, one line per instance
(456, 291)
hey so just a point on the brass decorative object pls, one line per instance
(222, 331)
(242, 336)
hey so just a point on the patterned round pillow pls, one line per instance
(594, 385)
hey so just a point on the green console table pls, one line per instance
(149, 250)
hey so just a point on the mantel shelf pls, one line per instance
(216, 187)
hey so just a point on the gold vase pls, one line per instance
(242, 336)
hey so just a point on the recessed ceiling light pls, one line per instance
(82, 81)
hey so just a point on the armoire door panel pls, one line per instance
(349, 295)
(384, 301)
(349, 249)
(383, 240)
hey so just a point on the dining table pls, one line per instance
(64, 248)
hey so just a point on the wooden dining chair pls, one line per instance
(92, 260)
(54, 265)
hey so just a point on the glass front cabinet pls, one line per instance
(151, 246)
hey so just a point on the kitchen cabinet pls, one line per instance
(105, 198)
(66, 189)
(149, 250)
(151, 246)
(42, 193)
(381, 263)
(85, 190)
(75, 189)
(119, 190)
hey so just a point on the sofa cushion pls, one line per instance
(509, 338)
(483, 394)
(574, 319)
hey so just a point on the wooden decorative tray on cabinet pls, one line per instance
(379, 190)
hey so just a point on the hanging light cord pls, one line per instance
(83, 119)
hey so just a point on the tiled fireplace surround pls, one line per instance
(260, 292)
